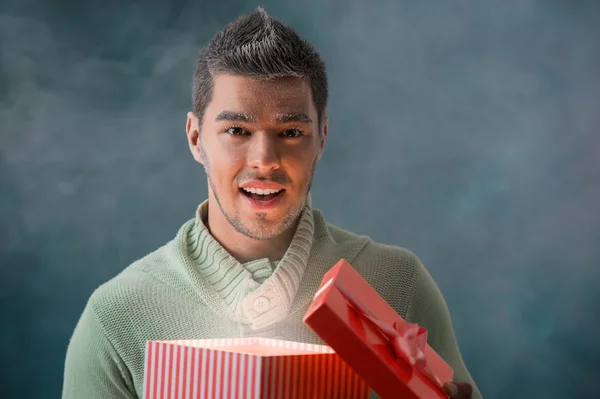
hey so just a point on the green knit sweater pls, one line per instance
(192, 288)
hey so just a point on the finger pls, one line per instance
(458, 390)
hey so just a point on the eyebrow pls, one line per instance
(235, 116)
(293, 117)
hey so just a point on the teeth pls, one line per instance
(260, 191)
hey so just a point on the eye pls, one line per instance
(292, 133)
(236, 131)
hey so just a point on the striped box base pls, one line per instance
(247, 368)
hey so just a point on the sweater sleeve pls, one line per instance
(428, 308)
(93, 368)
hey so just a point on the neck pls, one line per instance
(243, 248)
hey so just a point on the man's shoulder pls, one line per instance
(136, 286)
(374, 256)
(391, 270)
(157, 269)
(389, 262)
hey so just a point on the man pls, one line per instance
(251, 260)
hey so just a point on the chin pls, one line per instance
(267, 225)
(262, 231)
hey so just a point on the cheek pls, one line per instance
(226, 163)
(299, 165)
(230, 152)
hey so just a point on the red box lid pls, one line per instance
(334, 316)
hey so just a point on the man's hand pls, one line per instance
(458, 390)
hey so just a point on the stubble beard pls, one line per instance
(261, 231)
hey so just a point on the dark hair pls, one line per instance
(261, 46)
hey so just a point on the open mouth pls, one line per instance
(261, 195)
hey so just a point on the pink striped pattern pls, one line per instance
(194, 369)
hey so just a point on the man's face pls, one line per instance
(260, 144)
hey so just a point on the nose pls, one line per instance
(262, 152)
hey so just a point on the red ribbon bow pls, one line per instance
(408, 340)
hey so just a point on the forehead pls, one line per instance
(261, 97)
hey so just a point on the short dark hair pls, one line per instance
(259, 45)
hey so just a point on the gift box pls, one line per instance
(391, 355)
(249, 368)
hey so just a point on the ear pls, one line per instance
(192, 130)
(323, 137)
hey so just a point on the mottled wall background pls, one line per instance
(466, 131)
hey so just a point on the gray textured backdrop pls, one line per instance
(466, 131)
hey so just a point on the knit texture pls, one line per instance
(191, 288)
(238, 286)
